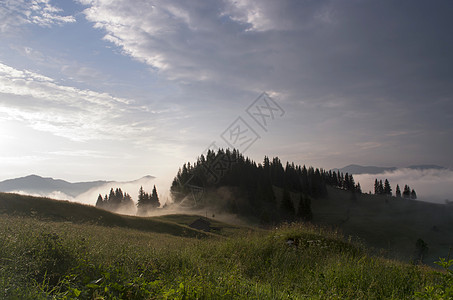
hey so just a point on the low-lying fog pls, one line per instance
(431, 185)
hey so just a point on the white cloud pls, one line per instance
(39, 12)
(65, 110)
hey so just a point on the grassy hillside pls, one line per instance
(64, 211)
(68, 258)
(391, 224)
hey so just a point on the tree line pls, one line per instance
(385, 189)
(117, 200)
(255, 185)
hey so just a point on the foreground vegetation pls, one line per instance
(45, 258)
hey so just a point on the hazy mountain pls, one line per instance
(35, 184)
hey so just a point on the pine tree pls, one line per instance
(406, 192)
(413, 195)
(376, 187)
(100, 201)
(141, 197)
(387, 188)
(381, 187)
(398, 192)
(358, 188)
(154, 199)
(111, 196)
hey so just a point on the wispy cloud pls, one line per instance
(38, 12)
(65, 110)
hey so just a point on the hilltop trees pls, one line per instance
(385, 189)
(254, 186)
(116, 200)
(147, 202)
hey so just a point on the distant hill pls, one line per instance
(358, 169)
(37, 185)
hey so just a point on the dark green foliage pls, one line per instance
(127, 264)
(443, 286)
(422, 249)
(304, 211)
(287, 204)
(254, 186)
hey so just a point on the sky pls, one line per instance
(118, 89)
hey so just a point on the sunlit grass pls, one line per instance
(42, 259)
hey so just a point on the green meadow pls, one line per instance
(60, 250)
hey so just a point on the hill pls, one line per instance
(51, 250)
(389, 223)
(34, 184)
(44, 186)
(50, 210)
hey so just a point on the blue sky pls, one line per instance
(102, 89)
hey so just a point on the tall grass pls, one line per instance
(42, 260)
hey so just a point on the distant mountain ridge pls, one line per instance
(358, 169)
(34, 184)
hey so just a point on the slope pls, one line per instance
(64, 211)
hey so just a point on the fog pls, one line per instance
(431, 185)
(130, 187)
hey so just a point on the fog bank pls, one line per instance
(432, 185)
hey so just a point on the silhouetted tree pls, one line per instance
(398, 192)
(115, 200)
(406, 192)
(154, 198)
(100, 201)
(413, 195)
(147, 202)
(358, 188)
(387, 188)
